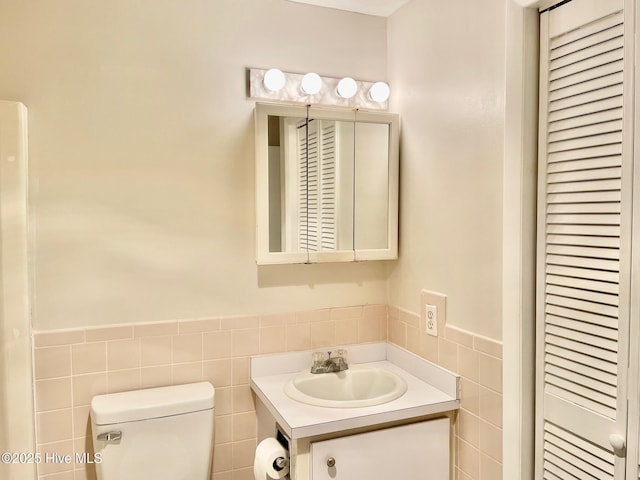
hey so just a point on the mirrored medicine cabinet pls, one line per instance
(326, 184)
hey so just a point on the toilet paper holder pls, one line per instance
(280, 463)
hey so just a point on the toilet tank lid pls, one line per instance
(151, 403)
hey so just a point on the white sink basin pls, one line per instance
(356, 387)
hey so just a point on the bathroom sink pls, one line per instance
(359, 386)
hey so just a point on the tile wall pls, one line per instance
(478, 360)
(74, 365)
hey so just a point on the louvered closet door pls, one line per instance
(317, 159)
(327, 198)
(583, 230)
(305, 200)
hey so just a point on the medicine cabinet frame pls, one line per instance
(263, 254)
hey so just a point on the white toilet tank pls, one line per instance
(161, 433)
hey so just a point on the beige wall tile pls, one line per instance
(85, 387)
(447, 354)
(155, 351)
(244, 426)
(468, 363)
(60, 476)
(88, 358)
(323, 334)
(51, 362)
(245, 342)
(470, 396)
(369, 329)
(155, 376)
(81, 421)
(410, 318)
(298, 337)
(186, 373)
(54, 426)
(223, 475)
(243, 453)
(490, 372)
(490, 404)
(344, 313)
(414, 340)
(398, 333)
(222, 457)
(468, 459)
(490, 440)
(463, 476)
(123, 354)
(108, 333)
(346, 331)
(311, 316)
(375, 311)
(240, 371)
(216, 345)
(468, 427)
(429, 347)
(186, 348)
(489, 468)
(85, 472)
(53, 394)
(382, 329)
(488, 346)
(198, 326)
(277, 319)
(218, 372)
(272, 339)
(243, 400)
(458, 336)
(60, 449)
(48, 339)
(245, 473)
(155, 329)
(224, 401)
(233, 323)
(123, 380)
(224, 429)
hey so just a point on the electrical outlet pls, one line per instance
(431, 319)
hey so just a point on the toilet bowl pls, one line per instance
(161, 433)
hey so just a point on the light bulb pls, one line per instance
(311, 83)
(347, 87)
(274, 79)
(379, 92)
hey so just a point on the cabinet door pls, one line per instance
(419, 451)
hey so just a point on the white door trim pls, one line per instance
(519, 239)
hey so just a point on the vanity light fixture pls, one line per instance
(274, 80)
(312, 89)
(311, 83)
(347, 87)
(379, 92)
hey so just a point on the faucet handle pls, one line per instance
(318, 358)
(342, 353)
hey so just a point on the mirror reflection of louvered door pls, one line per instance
(584, 231)
(317, 165)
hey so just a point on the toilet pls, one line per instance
(161, 433)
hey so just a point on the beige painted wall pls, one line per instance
(446, 67)
(141, 153)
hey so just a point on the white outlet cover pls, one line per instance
(431, 317)
(439, 300)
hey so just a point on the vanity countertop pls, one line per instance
(430, 390)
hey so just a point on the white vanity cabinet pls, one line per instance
(418, 451)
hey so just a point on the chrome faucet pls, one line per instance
(329, 364)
